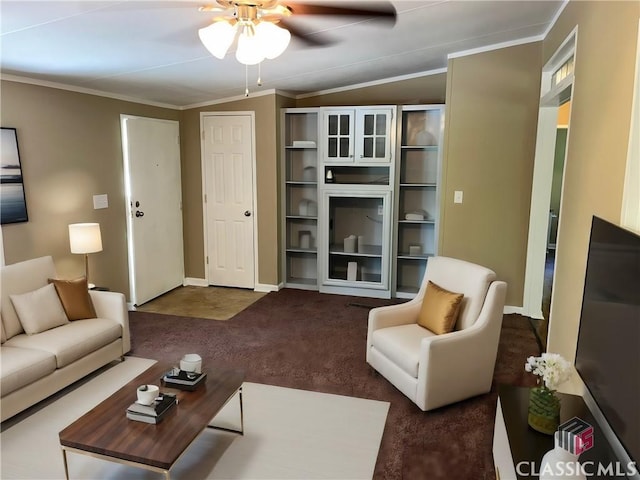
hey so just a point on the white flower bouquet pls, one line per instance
(551, 367)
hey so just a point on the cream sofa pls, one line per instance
(33, 367)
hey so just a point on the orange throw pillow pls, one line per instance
(440, 308)
(75, 298)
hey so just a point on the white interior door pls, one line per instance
(229, 203)
(151, 150)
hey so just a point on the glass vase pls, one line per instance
(544, 410)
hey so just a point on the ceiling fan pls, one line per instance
(263, 28)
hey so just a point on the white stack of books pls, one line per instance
(153, 413)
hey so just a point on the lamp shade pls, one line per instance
(217, 38)
(273, 39)
(249, 50)
(85, 238)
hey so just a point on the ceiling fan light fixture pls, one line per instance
(249, 51)
(217, 37)
(274, 40)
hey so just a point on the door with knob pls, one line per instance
(151, 153)
(228, 160)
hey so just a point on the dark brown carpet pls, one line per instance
(312, 341)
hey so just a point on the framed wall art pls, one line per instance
(13, 204)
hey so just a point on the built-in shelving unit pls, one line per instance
(299, 158)
(360, 209)
(417, 211)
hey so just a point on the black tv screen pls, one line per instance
(608, 350)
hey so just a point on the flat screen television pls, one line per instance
(608, 349)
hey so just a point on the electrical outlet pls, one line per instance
(457, 196)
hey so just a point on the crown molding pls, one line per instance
(496, 46)
(373, 83)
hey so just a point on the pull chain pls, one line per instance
(246, 80)
(260, 74)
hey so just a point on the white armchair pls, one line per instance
(435, 370)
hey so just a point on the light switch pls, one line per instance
(457, 196)
(100, 201)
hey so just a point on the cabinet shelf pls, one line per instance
(293, 147)
(301, 182)
(407, 256)
(418, 185)
(417, 222)
(300, 217)
(433, 148)
(365, 251)
(301, 250)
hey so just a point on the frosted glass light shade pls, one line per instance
(273, 39)
(217, 38)
(85, 238)
(249, 50)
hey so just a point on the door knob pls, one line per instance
(247, 213)
(139, 213)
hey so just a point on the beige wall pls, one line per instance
(492, 108)
(597, 147)
(266, 117)
(70, 150)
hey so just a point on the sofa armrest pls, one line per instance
(460, 364)
(113, 305)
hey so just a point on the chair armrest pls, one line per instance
(460, 364)
(394, 315)
(113, 305)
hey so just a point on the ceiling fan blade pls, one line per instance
(315, 40)
(379, 10)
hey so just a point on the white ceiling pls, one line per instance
(150, 51)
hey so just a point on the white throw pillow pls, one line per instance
(39, 310)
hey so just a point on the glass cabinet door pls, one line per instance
(357, 239)
(374, 136)
(339, 135)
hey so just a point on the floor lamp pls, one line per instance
(85, 238)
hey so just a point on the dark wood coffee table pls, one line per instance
(106, 433)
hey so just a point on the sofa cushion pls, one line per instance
(75, 298)
(401, 345)
(21, 277)
(71, 341)
(439, 310)
(39, 310)
(21, 366)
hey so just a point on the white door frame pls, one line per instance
(551, 96)
(251, 114)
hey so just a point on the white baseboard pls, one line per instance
(195, 282)
(266, 288)
(511, 309)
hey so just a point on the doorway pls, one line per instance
(151, 154)
(545, 222)
(228, 172)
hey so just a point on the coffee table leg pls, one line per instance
(241, 412)
(66, 466)
(232, 430)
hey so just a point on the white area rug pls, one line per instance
(289, 434)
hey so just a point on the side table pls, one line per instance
(518, 449)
